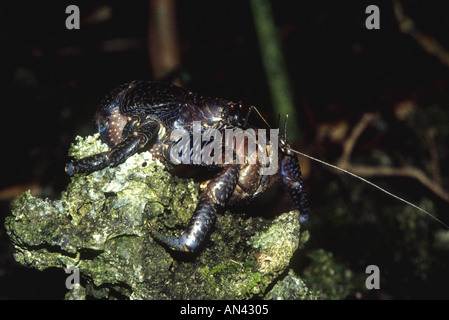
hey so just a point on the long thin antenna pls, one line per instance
(372, 184)
(261, 117)
(285, 127)
(350, 173)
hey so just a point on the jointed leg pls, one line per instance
(293, 184)
(119, 153)
(213, 197)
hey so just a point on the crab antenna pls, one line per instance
(372, 184)
(285, 127)
(253, 108)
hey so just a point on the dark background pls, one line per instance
(52, 78)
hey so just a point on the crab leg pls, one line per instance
(292, 182)
(119, 153)
(216, 194)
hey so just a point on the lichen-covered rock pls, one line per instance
(291, 287)
(100, 225)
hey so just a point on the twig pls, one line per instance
(405, 171)
(163, 42)
(370, 171)
(428, 43)
(354, 136)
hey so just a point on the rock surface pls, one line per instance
(100, 225)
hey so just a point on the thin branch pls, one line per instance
(371, 171)
(354, 136)
(405, 171)
(163, 40)
(428, 43)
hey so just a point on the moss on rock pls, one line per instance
(100, 225)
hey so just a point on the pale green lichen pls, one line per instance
(84, 147)
(332, 279)
(277, 244)
(100, 225)
(292, 287)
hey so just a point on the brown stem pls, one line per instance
(367, 171)
(428, 43)
(405, 171)
(163, 42)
